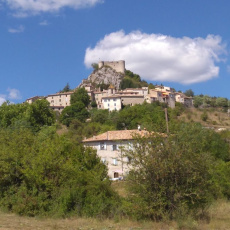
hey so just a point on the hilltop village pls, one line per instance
(113, 98)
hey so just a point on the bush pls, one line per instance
(50, 174)
(204, 116)
(174, 175)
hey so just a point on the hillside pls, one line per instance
(214, 118)
(104, 76)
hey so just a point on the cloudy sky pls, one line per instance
(46, 44)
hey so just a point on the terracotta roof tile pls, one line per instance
(117, 135)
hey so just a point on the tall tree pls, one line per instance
(189, 93)
(80, 95)
(66, 89)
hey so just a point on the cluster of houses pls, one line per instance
(113, 99)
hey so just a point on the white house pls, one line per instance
(112, 102)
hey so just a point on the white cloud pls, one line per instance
(14, 94)
(44, 23)
(25, 7)
(158, 57)
(19, 29)
(2, 99)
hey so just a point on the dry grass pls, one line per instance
(12, 222)
(216, 117)
(219, 219)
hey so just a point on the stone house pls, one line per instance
(183, 99)
(33, 99)
(161, 95)
(59, 101)
(110, 148)
(140, 91)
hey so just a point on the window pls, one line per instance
(108, 99)
(108, 105)
(115, 104)
(114, 161)
(116, 175)
(114, 147)
(114, 99)
(102, 146)
(105, 100)
(59, 100)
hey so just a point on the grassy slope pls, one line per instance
(216, 117)
(219, 218)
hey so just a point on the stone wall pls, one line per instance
(119, 66)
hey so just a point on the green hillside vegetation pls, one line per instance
(132, 80)
(46, 172)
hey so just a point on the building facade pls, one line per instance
(111, 147)
(59, 101)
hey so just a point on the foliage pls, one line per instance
(95, 66)
(49, 174)
(204, 116)
(33, 115)
(39, 114)
(207, 101)
(222, 102)
(132, 80)
(198, 101)
(80, 95)
(173, 175)
(151, 86)
(132, 75)
(75, 111)
(93, 104)
(150, 116)
(100, 115)
(189, 93)
(65, 89)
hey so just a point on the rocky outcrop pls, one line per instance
(104, 75)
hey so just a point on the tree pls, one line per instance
(75, 111)
(40, 114)
(95, 66)
(49, 174)
(222, 102)
(198, 101)
(80, 95)
(33, 115)
(189, 93)
(66, 89)
(172, 175)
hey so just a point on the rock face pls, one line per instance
(104, 75)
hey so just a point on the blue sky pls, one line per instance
(46, 44)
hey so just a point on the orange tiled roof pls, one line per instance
(117, 135)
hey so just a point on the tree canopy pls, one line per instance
(80, 95)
